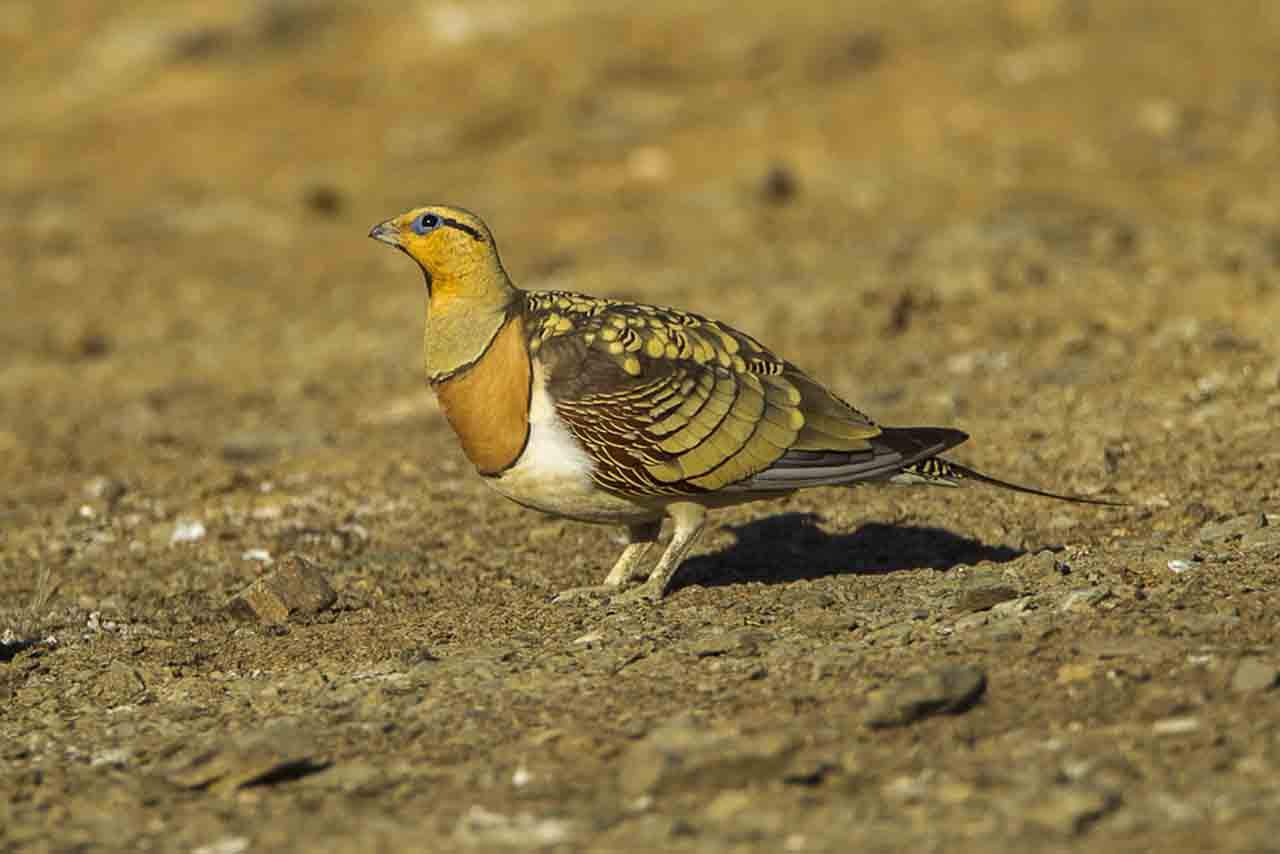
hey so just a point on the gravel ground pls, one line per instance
(252, 598)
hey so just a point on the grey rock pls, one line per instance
(684, 755)
(739, 817)
(729, 805)
(1268, 537)
(1233, 528)
(984, 597)
(1127, 647)
(1063, 522)
(1084, 599)
(260, 757)
(480, 827)
(972, 621)
(1071, 810)
(982, 575)
(296, 587)
(947, 690)
(359, 776)
(894, 634)
(809, 768)
(1019, 606)
(1004, 630)
(1254, 675)
(740, 642)
(1044, 564)
(837, 660)
(824, 623)
(1197, 623)
(252, 446)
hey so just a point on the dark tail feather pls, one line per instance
(936, 470)
(889, 451)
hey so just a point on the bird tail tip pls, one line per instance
(936, 471)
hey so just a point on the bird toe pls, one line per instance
(641, 593)
(597, 593)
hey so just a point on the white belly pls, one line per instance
(553, 474)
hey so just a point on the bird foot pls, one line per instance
(600, 592)
(644, 593)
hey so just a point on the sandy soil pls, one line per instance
(1052, 223)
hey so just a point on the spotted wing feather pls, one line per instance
(671, 403)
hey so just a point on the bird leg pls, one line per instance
(640, 538)
(689, 518)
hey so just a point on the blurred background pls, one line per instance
(904, 197)
(1054, 224)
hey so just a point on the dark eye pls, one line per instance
(426, 222)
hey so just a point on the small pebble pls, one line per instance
(947, 690)
(1180, 565)
(780, 185)
(1175, 726)
(106, 488)
(297, 587)
(650, 164)
(187, 531)
(226, 845)
(1254, 675)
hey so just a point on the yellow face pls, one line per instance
(450, 244)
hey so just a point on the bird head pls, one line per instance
(452, 246)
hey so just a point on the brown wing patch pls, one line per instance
(488, 404)
(668, 402)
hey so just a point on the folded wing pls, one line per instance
(671, 403)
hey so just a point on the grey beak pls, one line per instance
(386, 232)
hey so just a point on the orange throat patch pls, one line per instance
(488, 404)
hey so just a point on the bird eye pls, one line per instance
(426, 222)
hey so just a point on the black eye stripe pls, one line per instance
(462, 226)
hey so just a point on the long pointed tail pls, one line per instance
(939, 472)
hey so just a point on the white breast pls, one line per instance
(553, 474)
(552, 450)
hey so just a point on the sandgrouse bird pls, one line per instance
(621, 413)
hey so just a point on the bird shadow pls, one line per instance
(791, 547)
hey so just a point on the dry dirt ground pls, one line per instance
(1052, 223)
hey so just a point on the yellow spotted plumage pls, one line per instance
(624, 413)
